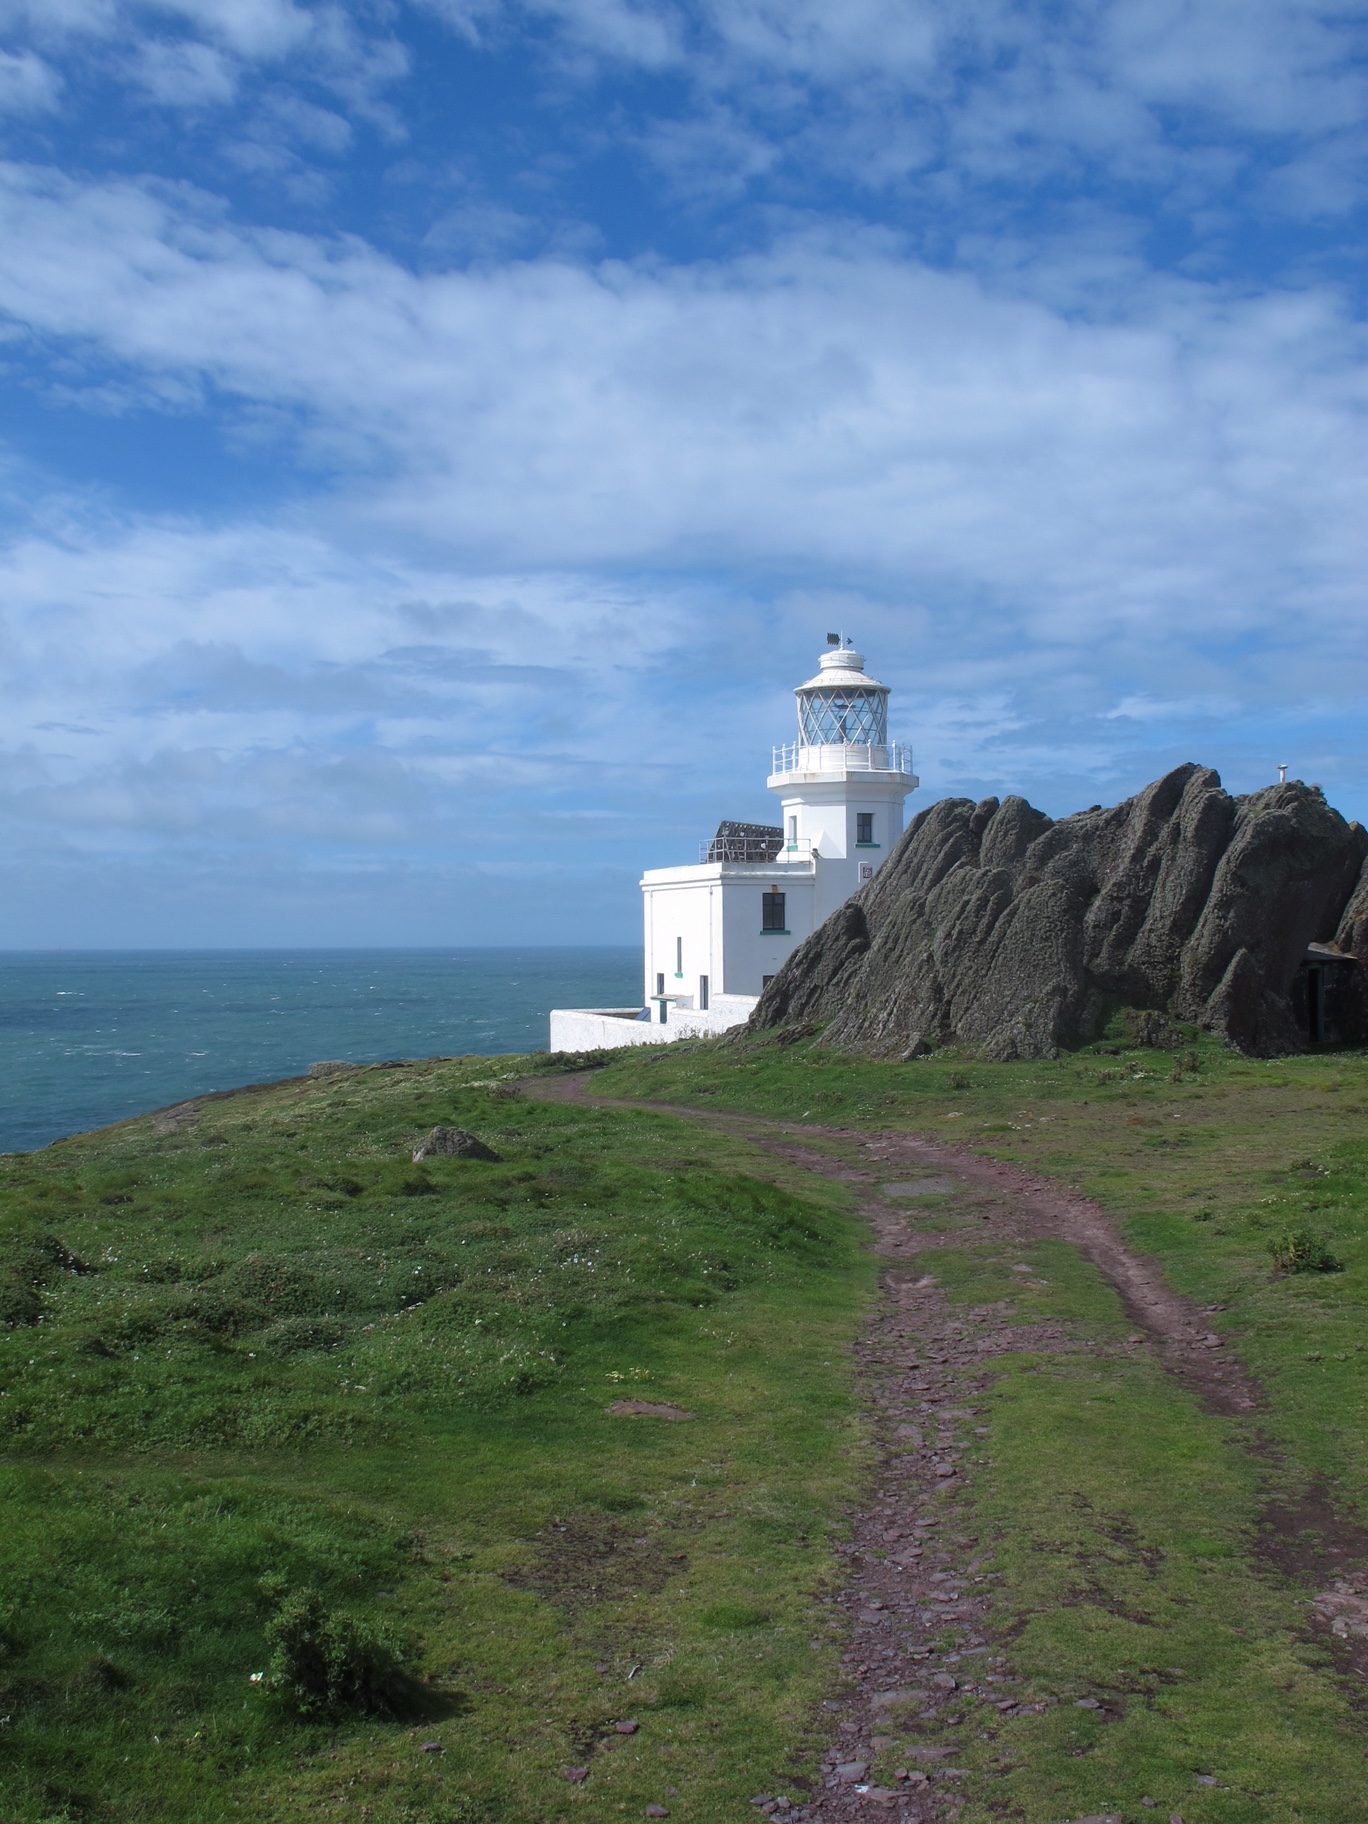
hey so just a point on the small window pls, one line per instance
(772, 911)
(679, 956)
(660, 982)
(703, 994)
(793, 832)
(864, 826)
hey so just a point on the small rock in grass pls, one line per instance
(881, 1795)
(627, 1728)
(1087, 1703)
(432, 1748)
(850, 1771)
(575, 1775)
(452, 1143)
(1207, 1779)
(657, 1811)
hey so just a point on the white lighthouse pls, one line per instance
(716, 931)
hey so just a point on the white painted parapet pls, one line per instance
(609, 1028)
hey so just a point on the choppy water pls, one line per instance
(89, 1037)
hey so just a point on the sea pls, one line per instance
(91, 1037)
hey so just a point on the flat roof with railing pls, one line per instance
(756, 849)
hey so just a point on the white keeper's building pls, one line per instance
(718, 930)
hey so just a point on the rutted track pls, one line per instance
(913, 1611)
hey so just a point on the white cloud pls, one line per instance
(1195, 454)
(27, 84)
(252, 28)
(179, 73)
(1011, 91)
(55, 20)
(311, 125)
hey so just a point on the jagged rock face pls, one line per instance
(992, 926)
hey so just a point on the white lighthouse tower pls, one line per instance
(716, 931)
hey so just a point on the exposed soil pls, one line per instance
(648, 1409)
(580, 1563)
(913, 1612)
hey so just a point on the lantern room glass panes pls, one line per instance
(838, 716)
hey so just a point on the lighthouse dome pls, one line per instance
(842, 706)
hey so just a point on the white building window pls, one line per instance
(679, 956)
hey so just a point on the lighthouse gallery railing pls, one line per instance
(896, 757)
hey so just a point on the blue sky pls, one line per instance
(438, 434)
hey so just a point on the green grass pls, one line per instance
(1204, 1157)
(272, 1354)
(263, 1352)
(1117, 1520)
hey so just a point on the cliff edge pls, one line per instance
(993, 926)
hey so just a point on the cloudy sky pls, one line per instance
(437, 434)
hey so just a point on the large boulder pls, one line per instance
(991, 925)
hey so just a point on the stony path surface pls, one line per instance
(913, 1608)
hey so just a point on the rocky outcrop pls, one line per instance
(991, 925)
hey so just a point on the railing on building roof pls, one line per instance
(754, 849)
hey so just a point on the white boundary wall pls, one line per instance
(607, 1028)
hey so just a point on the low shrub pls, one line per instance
(275, 1283)
(43, 1258)
(324, 1662)
(294, 1335)
(1303, 1251)
(19, 1304)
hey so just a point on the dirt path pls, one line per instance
(913, 1610)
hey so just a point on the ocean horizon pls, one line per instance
(90, 1037)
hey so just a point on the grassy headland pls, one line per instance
(259, 1352)
(1156, 1564)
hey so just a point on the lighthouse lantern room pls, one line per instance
(718, 930)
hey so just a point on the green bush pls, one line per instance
(41, 1259)
(19, 1304)
(276, 1284)
(294, 1335)
(1303, 1251)
(323, 1662)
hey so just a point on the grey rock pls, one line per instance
(850, 1771)
(451, 1143)
(992, 926)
